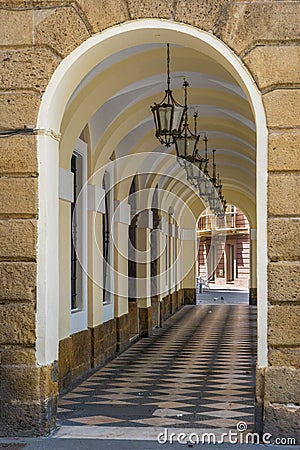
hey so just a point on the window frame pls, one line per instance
(79, 316)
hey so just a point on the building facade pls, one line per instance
(233, 268)
(76, 129)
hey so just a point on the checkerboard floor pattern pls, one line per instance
(198, 371)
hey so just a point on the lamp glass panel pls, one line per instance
(165, 114)
(179, 142)
(177, 118)
(191, 142)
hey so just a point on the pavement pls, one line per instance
(194, 376)
(113, 444)
(223, 297)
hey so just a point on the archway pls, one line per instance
(62, 121)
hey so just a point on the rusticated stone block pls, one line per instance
(282, 421)
(27, 68)
(282, 385)
(49, 381)
(110, 339)
(18, 239)
(18, 109)
(133, 317)
(65, 363)
(18, 356)
(161, 312)
(20, 383)
(173, 303)
(288, 357)
(18, 324)
(282, 107)
(204, 14)
(61, 29)
(268, 65)
(283, 325)
(26, 418)
(17, 281)
(260, 383)
(284, 150)
(102, 14)
(189, 296)
(282, 194)
(97, 336)
(18, 155)
(123, 332)
(150, 8)
(155, 311)
(283, 282)
(166, 307)
(283, 239)
(249, 23)
(181, 297)
(16, 27)
(176, 301)
(17, 4)
(18, 197)
(81, 353)
(145, 321)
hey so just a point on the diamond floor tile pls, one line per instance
(198, 370)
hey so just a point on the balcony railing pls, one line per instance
(233, 221)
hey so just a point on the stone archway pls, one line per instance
(259, 47)
(58, 93)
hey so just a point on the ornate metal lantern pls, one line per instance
(172, 127)
(168, 114)
(186, 142)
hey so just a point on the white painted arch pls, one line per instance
(63, 83)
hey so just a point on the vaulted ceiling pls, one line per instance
(114, 100)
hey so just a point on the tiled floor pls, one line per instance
(195, 373)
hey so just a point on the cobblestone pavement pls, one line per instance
(196, 374)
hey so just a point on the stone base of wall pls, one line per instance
(133, 318)
(282, 395)
(155, 303)
(104, 342)
(170, 304)
(252, 296)
(173, 303)
(75, 357)
(123, 332)
(282, 421)
(189, 295)
(83, 351)
(259, 399)
(35, 389)
(165, 308)
(180, 296)
(145, 321)
(28, 399)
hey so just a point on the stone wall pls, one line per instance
(91, 348)
(35, 37)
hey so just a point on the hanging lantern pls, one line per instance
(168, 114)
(172, 127)
(186, 142)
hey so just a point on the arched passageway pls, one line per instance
(97, 107)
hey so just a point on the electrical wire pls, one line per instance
(17, 131)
